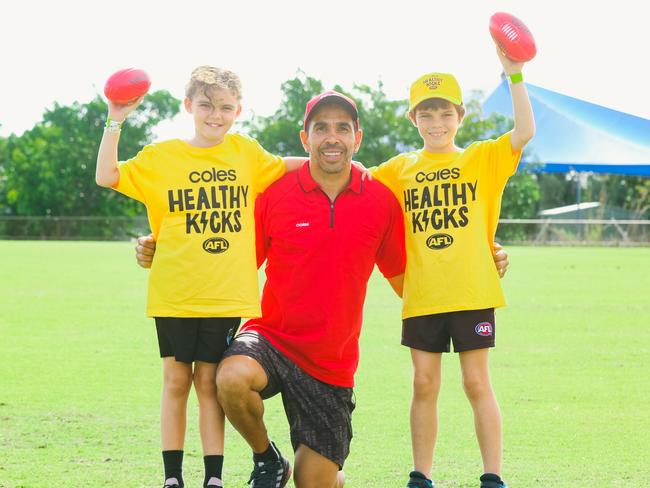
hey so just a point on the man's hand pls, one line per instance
(145, 250)
(500, 259)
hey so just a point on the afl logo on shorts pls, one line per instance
(484, 329)
(439, 241)
(215, 245)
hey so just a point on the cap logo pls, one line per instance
(433, 83)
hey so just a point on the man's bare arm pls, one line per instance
(397, 283)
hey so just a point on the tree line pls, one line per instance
(49, 169)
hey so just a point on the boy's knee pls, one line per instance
(476, 387)
(425, 385)
(205, 381)
(177, 383)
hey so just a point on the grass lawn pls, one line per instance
(80, 376)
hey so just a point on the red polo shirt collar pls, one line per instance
(307, 182)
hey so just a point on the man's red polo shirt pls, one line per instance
(320, 256)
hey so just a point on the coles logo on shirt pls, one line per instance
(439, 201)
(212, 202)
(484, 329)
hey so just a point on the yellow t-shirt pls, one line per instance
(200, 203)
(451, 205)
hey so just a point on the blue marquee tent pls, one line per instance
(576, 135)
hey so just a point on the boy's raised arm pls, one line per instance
(524, 128)
(107, 174)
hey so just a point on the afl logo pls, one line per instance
(216, 245)
(484, 329)
(439, 241)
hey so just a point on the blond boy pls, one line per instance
(200, 196)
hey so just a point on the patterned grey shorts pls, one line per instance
(319, 414)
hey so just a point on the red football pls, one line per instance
(512, 36)
(127, 85)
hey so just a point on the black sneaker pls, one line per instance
(490, 480)
(271, 474)
(418, 480)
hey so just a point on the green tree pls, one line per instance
(621, 196)
(3, 191)
(278, 132)
(387, 131)
(556, 190)
(629, 193)
(49, 170)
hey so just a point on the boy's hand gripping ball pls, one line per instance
(513, 37)
(127, 85)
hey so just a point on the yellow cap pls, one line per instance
(435, 85)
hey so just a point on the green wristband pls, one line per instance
(516, 78)
(113, 125)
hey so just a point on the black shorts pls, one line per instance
(469, 329)
(195, 339)
(319, 414)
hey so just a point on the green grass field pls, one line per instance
(80, 376)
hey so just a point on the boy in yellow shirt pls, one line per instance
(451, 200)
(200, 195)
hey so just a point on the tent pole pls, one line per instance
(578, 201)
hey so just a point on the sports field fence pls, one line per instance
(572, 232)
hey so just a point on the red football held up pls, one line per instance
(127, 85)
(513, 37)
